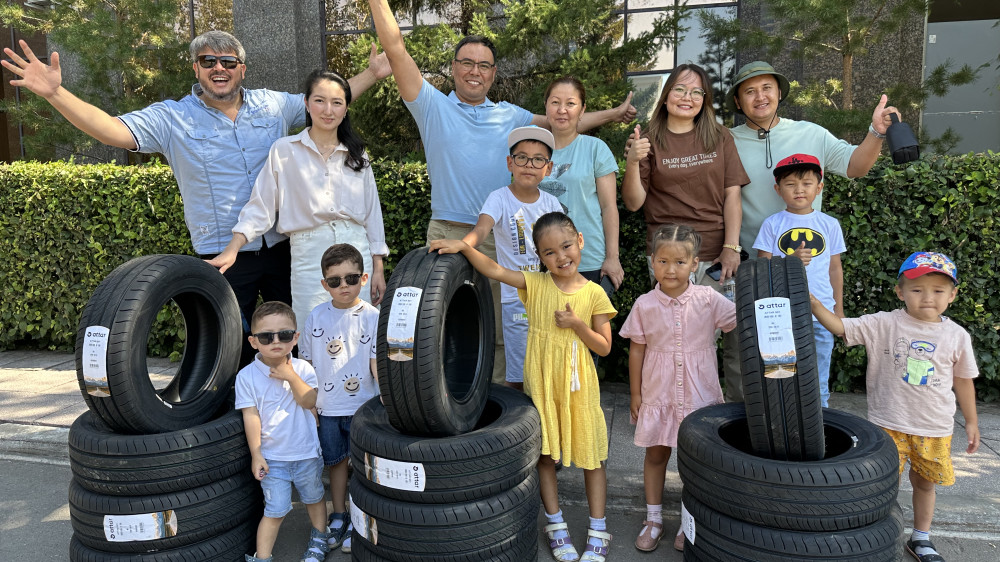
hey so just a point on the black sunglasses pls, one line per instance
(284, 336)
(334, 282)
(228, 62)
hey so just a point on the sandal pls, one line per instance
(346, 545)
(645, 541)
(317, 548)
(338, 533)
(912, 546)
(562, 549)
(679, 542)
(596, 553)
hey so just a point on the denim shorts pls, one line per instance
(335, 438)
(306, 475)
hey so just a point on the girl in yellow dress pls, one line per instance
(568, 316)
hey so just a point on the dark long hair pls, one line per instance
(345, 132)
(554, 219)
(706, 128)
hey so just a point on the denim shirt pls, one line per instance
(214, 159)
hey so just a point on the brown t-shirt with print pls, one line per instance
(684, 185)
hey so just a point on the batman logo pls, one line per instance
(793, 238)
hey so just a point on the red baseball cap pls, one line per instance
(806, 161)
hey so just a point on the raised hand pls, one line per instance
(42, 79)
(880, 117)
(803, 253)
(637, 147)
(626, 111)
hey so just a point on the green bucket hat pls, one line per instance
(751, 70)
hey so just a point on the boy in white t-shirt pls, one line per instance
(339, 342)
(511, 212)
(916, 358)
(814, 237)
(276, 393)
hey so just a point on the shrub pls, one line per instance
(67, 226)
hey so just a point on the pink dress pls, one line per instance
(680, 372)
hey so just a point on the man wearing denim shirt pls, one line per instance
(216, 141)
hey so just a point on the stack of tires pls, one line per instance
(444, 462)
(160, 474)
(779, 478)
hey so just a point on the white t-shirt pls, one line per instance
(911, 369)
(340, 343)
(783, 232)
(287, 430)
(513, 222)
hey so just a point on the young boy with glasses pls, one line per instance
(339, 342)
(276, 393)
(511, 212)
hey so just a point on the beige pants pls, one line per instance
(730, 340)
(437, 230)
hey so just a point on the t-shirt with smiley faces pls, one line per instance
(340, 344)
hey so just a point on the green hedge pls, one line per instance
(67, 226)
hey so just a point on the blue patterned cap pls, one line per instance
(922, 263)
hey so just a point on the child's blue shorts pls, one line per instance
(306, 475)
(335, 438)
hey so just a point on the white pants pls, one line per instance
(307, 247)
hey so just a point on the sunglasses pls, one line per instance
(352, 279)
(284, 336)
(228, 62)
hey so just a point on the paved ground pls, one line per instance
(39, 399)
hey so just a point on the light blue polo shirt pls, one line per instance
(214, 159)
(466, 149)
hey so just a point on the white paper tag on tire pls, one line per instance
(402, 326)
(775, 338)
(364, 524)
(395, 474)
(687, 524)
(95, 361)
(142, 527)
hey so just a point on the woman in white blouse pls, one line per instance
(319, 188)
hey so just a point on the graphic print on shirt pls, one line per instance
(791, 239)
(520, 241)
(553, 186)
(352, 384)
(318, 332)
(919, 370)
(335, 346)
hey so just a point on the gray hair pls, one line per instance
(218, 41)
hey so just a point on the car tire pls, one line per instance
(200, 513)
(127, 303)
(854, 485)
(229, 546)
(500, 527)
(719, 538)
(785, 414)
(439, 387)
(498, 454)
(106, 462)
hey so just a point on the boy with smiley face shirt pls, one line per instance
(339, 340)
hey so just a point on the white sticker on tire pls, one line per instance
(687, 524)
(775, 338)
(395, 474)
(95, 361)
(403, 323)
(141, 527)
(364, 524)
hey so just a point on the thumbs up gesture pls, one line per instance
(566, 318)
(803, 253)
(636, 148)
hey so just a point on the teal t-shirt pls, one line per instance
(787, 137)
(575, 169)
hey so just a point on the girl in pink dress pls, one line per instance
(672, 361)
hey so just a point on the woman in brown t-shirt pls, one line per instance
(685, 170)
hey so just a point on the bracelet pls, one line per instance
(871, 129)
(734, 247)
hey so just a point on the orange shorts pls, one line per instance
(930, 457)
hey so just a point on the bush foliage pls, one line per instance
(67, 226)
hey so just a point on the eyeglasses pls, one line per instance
(467, 64)
(229, 62)
(284, 336)
(352, 279)
(522, 160)
(681, 92)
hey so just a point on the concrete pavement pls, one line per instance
(40, 398)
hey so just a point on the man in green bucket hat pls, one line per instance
(766, 139)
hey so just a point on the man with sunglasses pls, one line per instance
(215, 140)
(464, 134)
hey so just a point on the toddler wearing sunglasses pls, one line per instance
(339, 341)
(276, 393)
